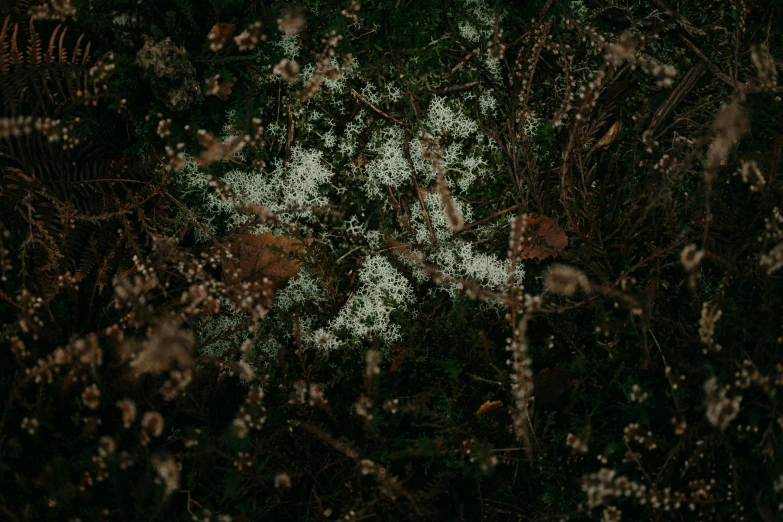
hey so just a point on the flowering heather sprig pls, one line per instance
(164, 127)
(606, 486)
(496, 47)
(252, 414)
(772, 261)
(83, 352)
(249, 38)
(175, 385)
(721, 410)
(323, 66)
(54, 130)
(30, 425)
(362, 407)
(750, 375)
(521, 380)
(690, 258)
(766, 67)
(637, 395)
(244, 460)
(288, 70)
(709, 316)
(631, 434)
(175, 158)
(351, 11)
(283, 480)
(565, 280)
(627, 49)
(576, 443)
(91, 397)
(128, 409)
(752, 175)
(221, 89)
(217, 150)
(730, 125)
(168, 472)
(516, 243)
(525, 67)
(54, 10)
(151, 426)
(453, 215)
(291, 21)
(373, 367)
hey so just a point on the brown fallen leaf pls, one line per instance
(255, 257)
(220, 89)
(220, 36)
(544, 238)
(614, 90)
(489, 407)
(611, 135)
(359, 161)
(216, 150)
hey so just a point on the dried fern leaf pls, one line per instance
(16, 56)
(5, 58)
(78, 50)
(34, 52)
(63, 54)
(86, 53)
(50, 49)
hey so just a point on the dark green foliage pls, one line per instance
(96, 257)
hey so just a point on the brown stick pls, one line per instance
(712, 67)
(376, 109)
(680, 91)
(454, 88)
(461, 63)
(418, 191)
(681, 21)
(488, 218)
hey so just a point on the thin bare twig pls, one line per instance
(712, 67)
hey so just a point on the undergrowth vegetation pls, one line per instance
(397, 260)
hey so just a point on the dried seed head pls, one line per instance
(292, 20)
(168, 472)
(128, 408)
(91, 397)
(151, 425)
(287, 70)
(690, 257)
(282, 480)
(565, 280)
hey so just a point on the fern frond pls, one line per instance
(63, 55)
(16, 56)
(86, 53)
(37, 78)
(78, 50)
(34, 53)
(50, 49)
(5, 57)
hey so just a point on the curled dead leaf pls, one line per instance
(489, 407)
(220, 89)
(611, 135)
(216, 150)
(359, 161)
(544, 238)
(220, 36)
(255, 257)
